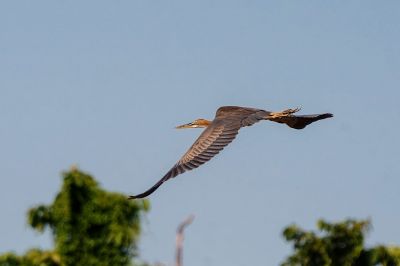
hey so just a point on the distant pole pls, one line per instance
(179, 239)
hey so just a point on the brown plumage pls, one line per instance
(222, 131)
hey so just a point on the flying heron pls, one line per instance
(222, 130)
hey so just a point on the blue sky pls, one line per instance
(102, 84)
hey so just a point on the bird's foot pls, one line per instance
(284, 113)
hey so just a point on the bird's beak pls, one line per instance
(189, 125)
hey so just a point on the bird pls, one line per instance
(222, 130)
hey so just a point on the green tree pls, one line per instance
(338, 244)
(34, 257)
(90, 226)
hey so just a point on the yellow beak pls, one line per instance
(189, 125)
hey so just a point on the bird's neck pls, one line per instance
(203, 122)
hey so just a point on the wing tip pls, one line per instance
(138, 196)
(144, 194)
(152, 189)
(327, 115)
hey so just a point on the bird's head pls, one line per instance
(195, 124)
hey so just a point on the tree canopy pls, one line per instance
(90, 226)
(337, 244)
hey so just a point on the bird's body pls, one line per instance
(222, 130)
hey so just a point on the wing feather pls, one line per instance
(222, 131)
(300, 121)
(213, 139)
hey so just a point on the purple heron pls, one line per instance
(222, 130)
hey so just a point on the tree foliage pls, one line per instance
(338, 244)
(33, 257)
(90, 226)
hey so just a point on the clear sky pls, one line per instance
(102, 84)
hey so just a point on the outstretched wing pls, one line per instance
(211, 141)
(300, 121)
